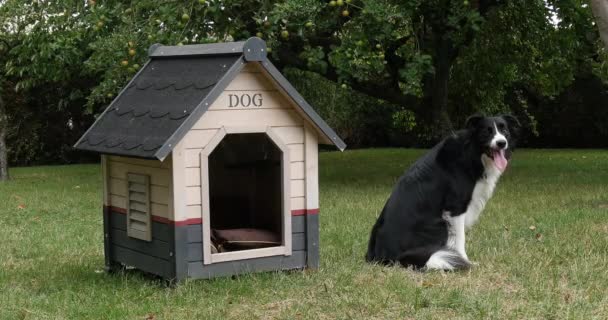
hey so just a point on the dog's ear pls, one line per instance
(472, 121)
(512, 121)
(514, 127)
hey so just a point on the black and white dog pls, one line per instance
(443, 193)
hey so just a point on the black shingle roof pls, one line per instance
(171, 92)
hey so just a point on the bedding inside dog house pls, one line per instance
(209, 160)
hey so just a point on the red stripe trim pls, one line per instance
(161, 220)
(312, 211)
(188, 222)
(118, 210)
(301, 212)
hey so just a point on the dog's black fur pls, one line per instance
(411, 228)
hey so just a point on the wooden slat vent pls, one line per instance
(139, 222)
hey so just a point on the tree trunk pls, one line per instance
(600, 11)
(3, 151)
(437, 116)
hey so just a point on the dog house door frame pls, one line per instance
(285, 249)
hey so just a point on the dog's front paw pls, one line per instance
(464, 255)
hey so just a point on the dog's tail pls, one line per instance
(436, 258)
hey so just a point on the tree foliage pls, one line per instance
(434, 60)
(454, 56)
(403, 47)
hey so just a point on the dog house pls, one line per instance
(210, 165)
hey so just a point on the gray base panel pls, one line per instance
(180, 256)
(196, 268)
(107, 244)
(312, 240)
(175, 252)
(154, 256)
(155, 248)
(143, 262)
(296, 261)
(298, 224)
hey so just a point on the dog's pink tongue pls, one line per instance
(499, 159)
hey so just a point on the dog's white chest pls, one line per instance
(482, 192)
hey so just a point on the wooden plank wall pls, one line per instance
(156, 255)
(275, 111)
(160, 183)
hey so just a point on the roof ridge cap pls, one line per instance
(202, 49)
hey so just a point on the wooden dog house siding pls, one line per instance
(158, 134)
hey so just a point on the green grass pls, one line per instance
(51, 253)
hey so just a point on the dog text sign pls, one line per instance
(245, 100)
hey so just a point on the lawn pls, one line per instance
(541, 245)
